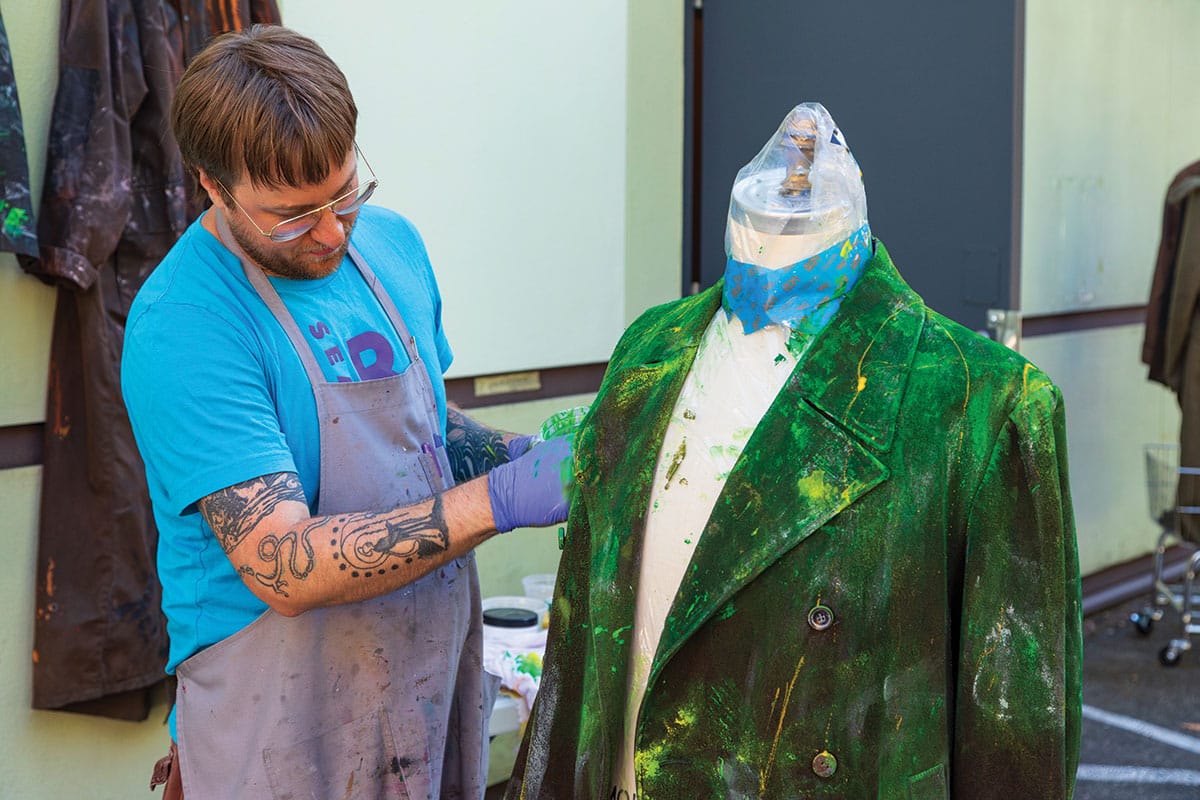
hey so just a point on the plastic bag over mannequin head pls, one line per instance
(804, 183)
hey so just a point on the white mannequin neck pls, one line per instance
(776, 251)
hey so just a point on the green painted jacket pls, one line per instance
(884, 603)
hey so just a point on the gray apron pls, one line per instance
(381, 699)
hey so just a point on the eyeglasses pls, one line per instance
(297, 226)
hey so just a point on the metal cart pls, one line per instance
(1162, 477)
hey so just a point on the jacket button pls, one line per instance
(825, 764)
(820, 618)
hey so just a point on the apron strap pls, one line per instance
(385, 300)
(274, 302)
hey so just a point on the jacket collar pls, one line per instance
(855, 370)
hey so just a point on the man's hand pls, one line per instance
(533, 490)
(519, 445)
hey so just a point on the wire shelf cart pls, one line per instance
(1163, 474)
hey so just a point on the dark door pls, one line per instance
(928, 96)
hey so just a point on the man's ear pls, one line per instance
(211, 188)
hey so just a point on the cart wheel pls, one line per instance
(1143, 622)
(1169, 656)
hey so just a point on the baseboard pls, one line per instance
(1121, 582)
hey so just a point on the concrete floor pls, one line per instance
(1141, 728)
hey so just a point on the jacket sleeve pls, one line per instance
(1018, 690)
(86, 201)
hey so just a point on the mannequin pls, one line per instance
(777, 219)
(789, 565)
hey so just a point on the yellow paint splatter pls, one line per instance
(647, 762)
(815, 486)
(762, 783)
(862, 359)
(685, 716)
(680, 455)
(966, 369)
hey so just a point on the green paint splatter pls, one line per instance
(680, 454)
(15, 221)
(726, 451)
(797, 343)
(529, 664)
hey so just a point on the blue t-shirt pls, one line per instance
(217, 395)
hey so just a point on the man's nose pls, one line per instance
(330, 230)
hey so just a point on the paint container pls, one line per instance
(511, 612)
(513, 622)
(562, 423)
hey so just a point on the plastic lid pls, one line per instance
(506, 617)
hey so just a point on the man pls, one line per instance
(822, 542)
(282, 371)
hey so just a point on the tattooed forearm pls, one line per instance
(235, 511)
(473, 449)
(369, 544)
(293, 548)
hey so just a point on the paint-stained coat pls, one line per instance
(884, 603)
(113, 204)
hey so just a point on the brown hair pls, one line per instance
(265, 103)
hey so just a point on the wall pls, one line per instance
(632, 158)
(1111, 113)
(500, 131)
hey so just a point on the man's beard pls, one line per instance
(295, 259)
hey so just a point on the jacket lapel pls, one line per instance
(813, 454)
(617, 456)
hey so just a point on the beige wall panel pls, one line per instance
(1112, 106)
(26, 313)
(1112, 413)
(46, 753)
(654, 157)
(500, 130)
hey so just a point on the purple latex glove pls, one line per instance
(517, 446)
(532, 490)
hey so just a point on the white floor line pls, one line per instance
(1156, 732)
(1107, 774)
